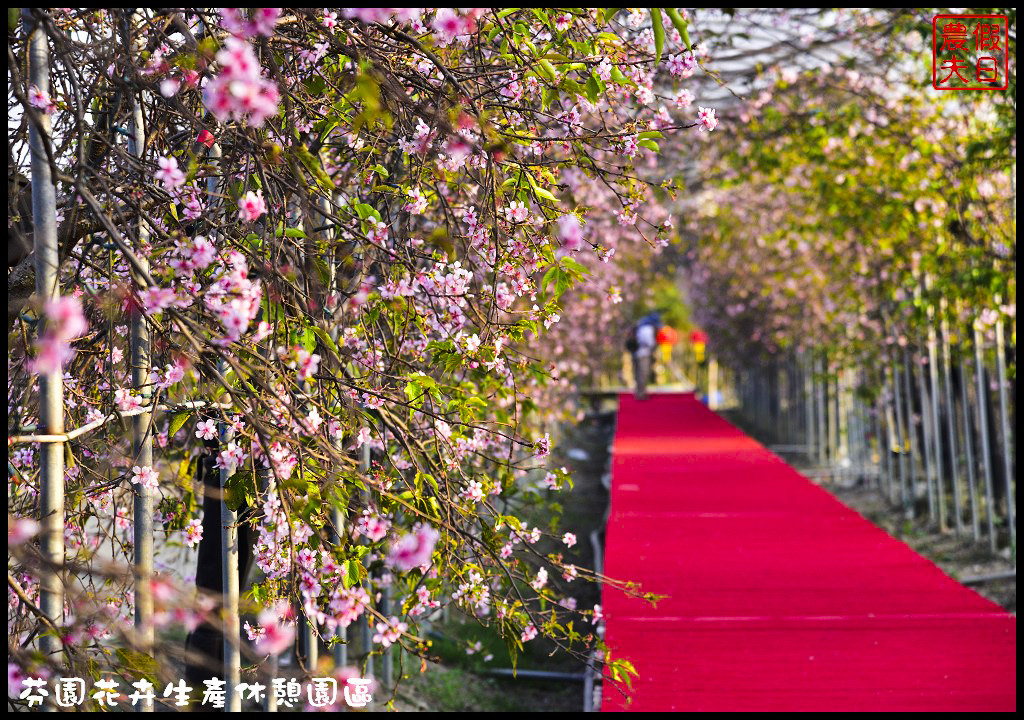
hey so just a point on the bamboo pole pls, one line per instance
(51, 384)
(880, 426)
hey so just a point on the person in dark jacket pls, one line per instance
(641, 346)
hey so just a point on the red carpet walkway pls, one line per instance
(780, 597)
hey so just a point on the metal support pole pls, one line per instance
(340, 649)
(364, 627)
(986, 456)
(858, 461)
(832, 385)
(891, 433)
(933, 377)
(880, 425)
(1007, 439)
(341, 644)
(954, 458)
(794, 383)
(822, 429)
(51, 384)
(229, 570)
(268, 485)
(972, 482)
(845, 427)
(142, 428)
(309, 641)
(387, 659)
(927, 445)
(911, 436)
(808, 406)
(229, 543)
(310, 644)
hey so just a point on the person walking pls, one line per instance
(641, 345)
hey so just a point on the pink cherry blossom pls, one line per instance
(413, 549)
(707, 118)
(240, 91)
(20, 530)
(206, 430)
(389, 632)
(277, 633)
(251, 206)
(363, 437)
(570, 233)
(170, 174)
(40, 99)
(371, 525)
(193, 532)
(145, 476)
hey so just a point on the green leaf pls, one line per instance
(414, 392)
(322, 270)
(476, 402)
(544, 194)
(136, 664)
(367, 211)
(325, 338)
(290, 232)
(548, 277)
(680, 25)
(578, 270)
(313, 165)
(177, 421)
(352, 571)
(240, 491)
(659, 34)
(547, 70)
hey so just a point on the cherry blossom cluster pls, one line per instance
(64, 322)
(240, 91)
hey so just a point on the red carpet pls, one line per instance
(780, 597)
